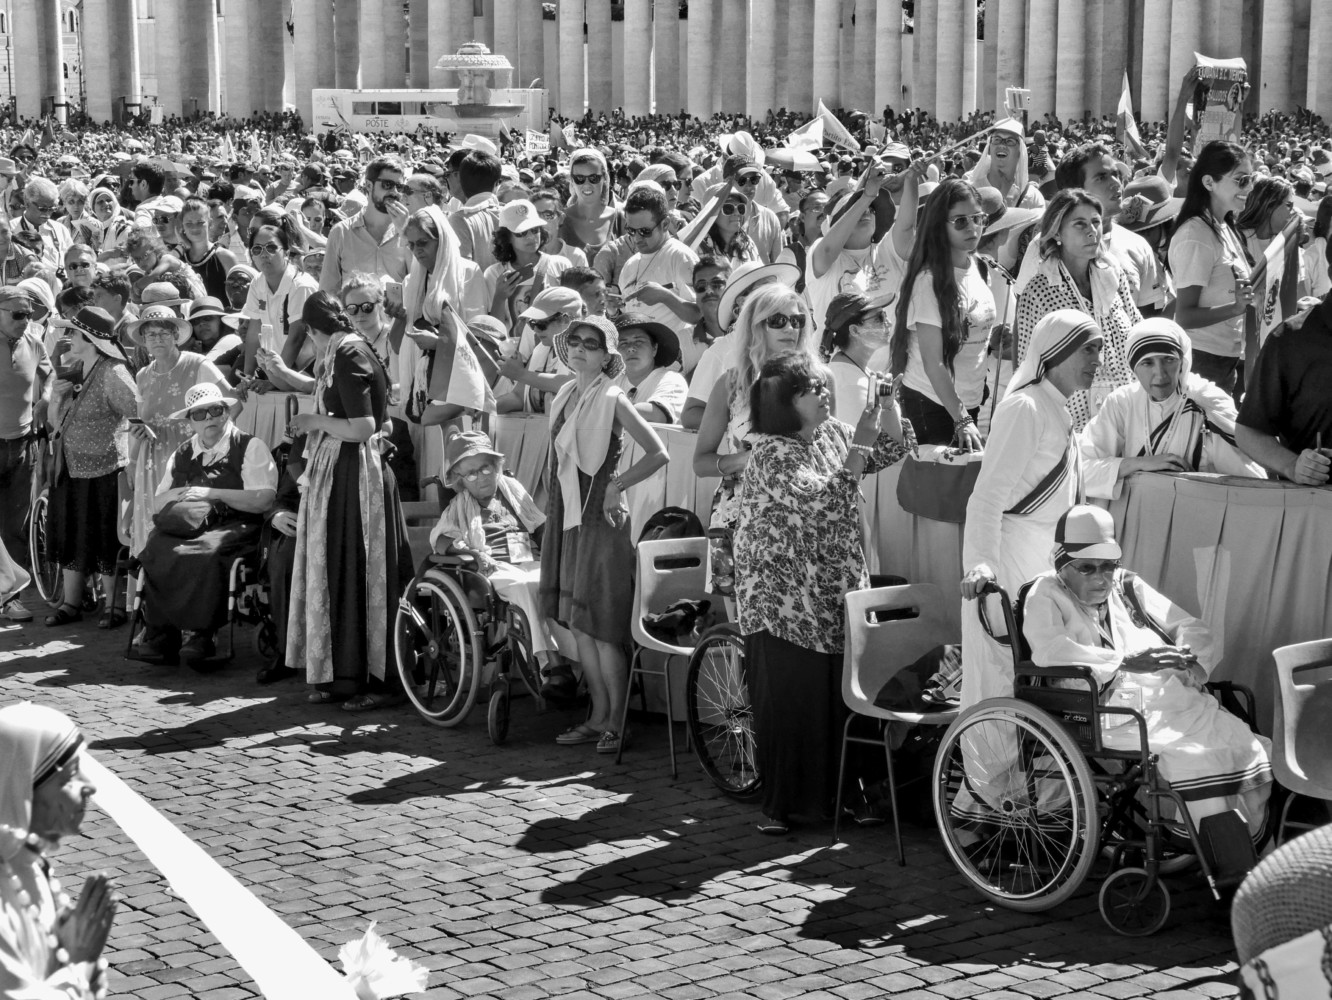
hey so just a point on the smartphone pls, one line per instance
(393, 292)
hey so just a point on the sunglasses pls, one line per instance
(747, 181)
(643, 232)
(78, 265)
(1243, 181)
(361, 308)
(391, 186)
(780, 321)
(549, 215)
(542, 325)
(740, 210)
(1094, 568)
(715, 285)
(208, 412)
(817, 387)
(473, 476)
(265, 249)
(22, 317)
(587, 178)
(964, 222)
(1010, 141)
(670, 185)
(588, 344)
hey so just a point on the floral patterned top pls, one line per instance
(797, 544)
(94, 442)
(163, 393)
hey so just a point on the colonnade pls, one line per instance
(236, 56)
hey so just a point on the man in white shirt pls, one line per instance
(657, 281)
(40, 199)
(369, 241)
(767, 195)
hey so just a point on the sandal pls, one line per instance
(112, 619)
(609, 742)
(64, 615)
(773, 827)
(367, 702)
(575, 735)
(317, 697)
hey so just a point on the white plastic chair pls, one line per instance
(876, 650)
(669, 570)
(1302, 735)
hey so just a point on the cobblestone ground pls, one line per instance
(530, 871)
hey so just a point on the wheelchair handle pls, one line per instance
(1010, 620)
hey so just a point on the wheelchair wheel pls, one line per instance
(1133, 903)
(265, 640)
(721, 720)
(523, 661)
(437, 643)
(1015, 803)
(45, 571)
(497, 717)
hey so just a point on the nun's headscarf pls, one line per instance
(1160, 336)
(980, 173)
(35, 743)
(1056, 337)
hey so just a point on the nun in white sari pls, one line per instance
(1167, 420)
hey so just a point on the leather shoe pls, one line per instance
(274, 672)
(197, 649)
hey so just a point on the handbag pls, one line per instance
(186, 518)
(938, 490)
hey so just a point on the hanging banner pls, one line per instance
(538, 143)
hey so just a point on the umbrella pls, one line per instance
(793, 159)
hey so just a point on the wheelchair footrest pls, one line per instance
(1225, 838)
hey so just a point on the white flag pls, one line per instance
(1126, 120)
(835, 130)
(808, 136)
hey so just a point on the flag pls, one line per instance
(1128, 126)
(879, 133)
(692, 232)
(256, 153)
(557, 140)
(808, 136)
(834, 130)
(456, 377)
(1275, 288)
(569, 138)
(28, 138)
(228, 148)
(48, 134)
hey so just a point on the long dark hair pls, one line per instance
(1217, 159)
(1267, 196)
(934, 253)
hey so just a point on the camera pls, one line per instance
(882, 386)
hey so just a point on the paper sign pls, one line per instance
(1218, 101)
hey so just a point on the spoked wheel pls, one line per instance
(523, 661)
(437, 643)
(45, 570)
(265, 639)
(1125, 829)
(497, 717)
(721, 720)
(1133, 903)
(1016, 804)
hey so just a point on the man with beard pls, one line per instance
(369, 241)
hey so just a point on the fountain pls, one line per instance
(480, 104)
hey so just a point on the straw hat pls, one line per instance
(614, 363)
(203, 394)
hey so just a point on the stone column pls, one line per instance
(418, 44)
(731, 56)
(124, 40)
(1071, 73)
(617, 63)
(507, 41)
(1320, 76)
(1186, 27)
(201, 77)
(761, 59)
(531, 44)
(169, 50)
(395, 44)
(799, 56)
(600, 59)
(309, 55)
(924, 41)
(1111, 44)
(951, 40)
(272, 22)
(861, 86)
(27, 61)
(888, 56)
(1042, 31)
(1012, 58)
(667, 94)
(781, 88)
(571, 58)
(1278, 53)
(637, 57)
(54, 56)
(1157, 97)
(347, 34)
(826, 40)
(698, 81)
(236, 46)
(989, 59)
(371, 44)
(1223, 28)
(97, 49)
(213, 46)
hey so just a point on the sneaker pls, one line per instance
(609, 742)
(14, 611)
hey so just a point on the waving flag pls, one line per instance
(808, 136)
(1128, 126)
(455, 374)
(834, 130)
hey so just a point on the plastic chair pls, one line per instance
(876, 650)
(1302, 743)
(669, 570)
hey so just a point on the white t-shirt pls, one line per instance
(978, 316)
(1198, 258)
(718, 359)
(670, 265)
(876, 271)
(271, 307)
(851, 386)
(1134, 254)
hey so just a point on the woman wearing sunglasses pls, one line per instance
(1003, 165)
(1213, 280)
(591, 219)
(1077, 272)
(943, 321)
(774, 319)
(726, 236)
(276, 296)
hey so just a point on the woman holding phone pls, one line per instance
(521, 270)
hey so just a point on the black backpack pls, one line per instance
(671, 522)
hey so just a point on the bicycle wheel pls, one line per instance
(1016, 804)
(721, 720)
(45, 571)
(437, 644)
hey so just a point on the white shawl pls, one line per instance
(582, 443)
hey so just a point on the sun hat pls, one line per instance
(999, 217)
(203, 394)
(747, 276)
(166, 204)
(7, 167)
(208, 306)
(160, 312)
(614, 363)
(467, 444)
(668, 343)
(1147, 202)
(98, 326)
(520, 216)
(851, 307)
(1085, 532)
(488, 328)
(162, 293)
(551, 301)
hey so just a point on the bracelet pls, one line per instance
(862, 449)
(963, 421)
(719, 468)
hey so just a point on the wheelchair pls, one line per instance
(453, 636)
(1028, 799)
(45, 569)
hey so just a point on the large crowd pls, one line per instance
(1077, 309)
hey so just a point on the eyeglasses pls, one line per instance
(265, 250)
(817, 387)
(159, 334)
(740, 210)
(715, 285)
(748, 181)
(18, 315)
(39, 207)
(1089, 567)
(1243, 181)
(643, 232)
(780, 321)
(588, 344)
(361, 308)
(390, 186)
(549, 215)
(541, 325)
(208, 413)
(586, 178)
(964, 222)
(474, 475)
(1008, 141)
(78, 265)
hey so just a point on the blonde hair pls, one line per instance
(752, 347)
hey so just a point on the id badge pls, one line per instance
(520, 547)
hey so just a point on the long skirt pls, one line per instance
(82, 522)
(187, 578)
(798, 719)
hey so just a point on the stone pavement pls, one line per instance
(530, 871)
